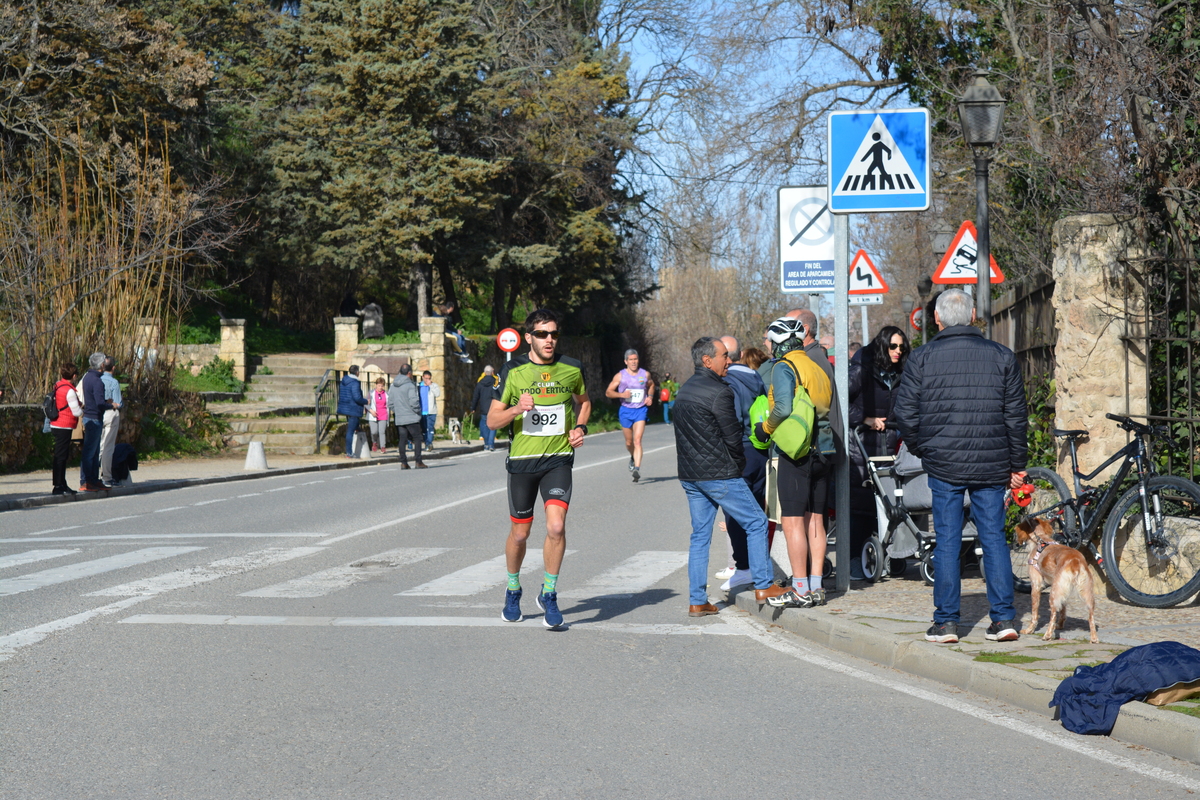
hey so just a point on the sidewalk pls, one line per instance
(30, 489)
(886, 623)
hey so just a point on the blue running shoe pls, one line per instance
(512, 606)
(548, 602)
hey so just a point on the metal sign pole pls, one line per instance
(841, 376)
(865, 336)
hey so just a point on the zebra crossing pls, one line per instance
(632, 575)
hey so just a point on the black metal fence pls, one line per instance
(1162, 311)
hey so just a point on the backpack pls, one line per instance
(794, 436)
(759, 411)
(664, 395)
(50, 404)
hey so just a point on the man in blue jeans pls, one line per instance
(94, 406)
(960, 407)
(708, 440)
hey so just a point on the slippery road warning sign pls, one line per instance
(959, 264)
(865, 277)
(879, 161)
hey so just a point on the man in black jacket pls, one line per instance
(708, 439)
(960, 407)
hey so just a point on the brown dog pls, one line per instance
(1059, 567)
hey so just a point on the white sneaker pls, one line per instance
(740, 577)
(725, 573)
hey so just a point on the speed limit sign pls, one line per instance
(508, 340)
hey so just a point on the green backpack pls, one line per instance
(759, 411)
(794, 436)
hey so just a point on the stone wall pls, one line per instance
(192, 357)
(1095, 373)
(23, 446)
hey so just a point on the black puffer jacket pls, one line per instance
(961, 408)
(708, 435)
(871, 391)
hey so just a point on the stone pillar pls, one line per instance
(148, 333)
(233, 345)
(435, 344)
(1095, 373)
(345, 341)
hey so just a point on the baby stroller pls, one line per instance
(901, 489)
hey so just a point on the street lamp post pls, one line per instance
(981, 112)
(925, 287)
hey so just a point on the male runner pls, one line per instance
(543, 396)
(635, 389)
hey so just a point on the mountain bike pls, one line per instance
(1150, 544)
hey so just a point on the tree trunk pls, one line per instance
(419, 280)
(446, 278)
(499, 286)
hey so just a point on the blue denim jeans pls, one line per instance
(987, 511)
(667, 406)
(429, 423)
(734, 496)
(351, 427)
(489, 435)
(89, 467)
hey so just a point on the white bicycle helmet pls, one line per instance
(785, 329)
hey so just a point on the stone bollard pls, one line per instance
(233, 345)
(256, 456)
(345, 341)
(361, 448)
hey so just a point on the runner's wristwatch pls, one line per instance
(582, 428)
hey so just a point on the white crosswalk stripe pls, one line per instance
(477, 577)
(32, 556)
(195, 575)
(632, 576)
(331, 580)
(86, 569)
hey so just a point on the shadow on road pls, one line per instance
(609, 606)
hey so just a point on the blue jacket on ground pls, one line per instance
(1090, 700)
(350, 397)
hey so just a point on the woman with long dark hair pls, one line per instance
(875, 372)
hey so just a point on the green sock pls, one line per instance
(514, 581)
(548, 582)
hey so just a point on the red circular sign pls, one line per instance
(508, 340)
(915, 319)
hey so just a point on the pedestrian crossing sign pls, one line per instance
(879, 161)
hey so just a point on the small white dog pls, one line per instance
(455, 428)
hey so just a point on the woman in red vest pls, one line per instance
(69, 412)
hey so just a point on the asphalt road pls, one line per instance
(319, 636)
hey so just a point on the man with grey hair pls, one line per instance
(94, 406)
(112, 421)
(635, 389)
(710, 458)
(960, 407)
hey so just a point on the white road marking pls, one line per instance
(31, 556)
(125, 537)
(11, 643)
(117, 519)
(192, 576)
(633, 575)
(476, 578)
(425, 622)
(252, 494)
(471, 499)
(172, 508)
(345, 477)
(208, 502)
(331, 580)
(86, 569)
(310, 483)
(55, 530)
(281, 489)
(1073, 743)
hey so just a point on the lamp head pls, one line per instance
(981, 112)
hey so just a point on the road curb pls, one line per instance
(146, 488)
(1138, 724)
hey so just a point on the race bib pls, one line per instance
(637, 396)
(545, 421)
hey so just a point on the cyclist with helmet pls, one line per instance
(798, 393)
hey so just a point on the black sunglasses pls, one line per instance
(894, 346)
(544, 334)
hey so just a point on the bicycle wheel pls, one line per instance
(1049, 492)
(1163, 569)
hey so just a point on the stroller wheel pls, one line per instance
(897, 567)
(827, 569)
(927, 568)
(873, 560)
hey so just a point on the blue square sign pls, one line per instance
(879, 161)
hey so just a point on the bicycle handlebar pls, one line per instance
(1161, 432)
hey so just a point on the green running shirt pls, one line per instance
(539, 441)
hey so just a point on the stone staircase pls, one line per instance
(278, 407)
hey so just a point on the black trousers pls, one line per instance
(404, 433)
(62, 451)
(755, 476)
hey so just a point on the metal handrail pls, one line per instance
(326, 403)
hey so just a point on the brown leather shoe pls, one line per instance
(405, 466)
(770, 593)
(420, 465)
(702, 611)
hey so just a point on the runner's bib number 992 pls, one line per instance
(545, 421)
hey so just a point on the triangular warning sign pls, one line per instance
(878, 167)
(865, 277)
(958, 264)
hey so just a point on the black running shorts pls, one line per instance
(523, 488)
(803, 485)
